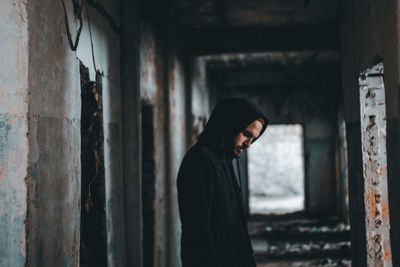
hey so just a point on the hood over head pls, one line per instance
(229, 117)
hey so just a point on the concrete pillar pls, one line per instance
(373, 143)
(131, 130)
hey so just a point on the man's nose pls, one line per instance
(247, 143)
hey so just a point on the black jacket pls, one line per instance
(214, 225)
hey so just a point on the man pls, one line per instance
(214, 225)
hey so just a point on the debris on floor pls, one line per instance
(296, 240)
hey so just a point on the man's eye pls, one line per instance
(246, 134)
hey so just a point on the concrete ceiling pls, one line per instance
(254, 13)
(253, 39)
(272, 70)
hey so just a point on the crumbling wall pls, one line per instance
(370, 34)
(46, 139)
(99, 50)
(40, 79)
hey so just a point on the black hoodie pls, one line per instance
(214, 225)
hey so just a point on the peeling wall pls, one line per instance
(13, 131)
(42, 142)
(40, 91)
(369, 34)
(105, 56)
(373, 140)
(93, 230)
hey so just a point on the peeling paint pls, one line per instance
(13, 166)
(373, 134)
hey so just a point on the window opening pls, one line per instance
(276, 171)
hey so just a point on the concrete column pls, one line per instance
(177, 139)
(131, 129)
(373, 138)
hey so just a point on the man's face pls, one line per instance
(243, 140)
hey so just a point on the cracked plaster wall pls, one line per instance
(56, 82)
(40, 130)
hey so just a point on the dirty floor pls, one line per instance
(297, 240)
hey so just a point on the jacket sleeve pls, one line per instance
(195, 195)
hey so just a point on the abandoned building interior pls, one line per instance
(101, 99)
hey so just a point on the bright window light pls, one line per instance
(276, 171)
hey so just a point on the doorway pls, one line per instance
(276, 171)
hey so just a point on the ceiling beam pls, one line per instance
(249, 40)
(277, 75)
(290, 58)
(250, 13)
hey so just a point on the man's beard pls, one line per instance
(239, 152)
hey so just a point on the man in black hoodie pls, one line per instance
(214, 224)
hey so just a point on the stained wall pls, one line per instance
(43, 94)
(14, 150)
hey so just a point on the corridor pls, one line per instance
(101, 99)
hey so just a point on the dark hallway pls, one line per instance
(302, 88)
(100, 100)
